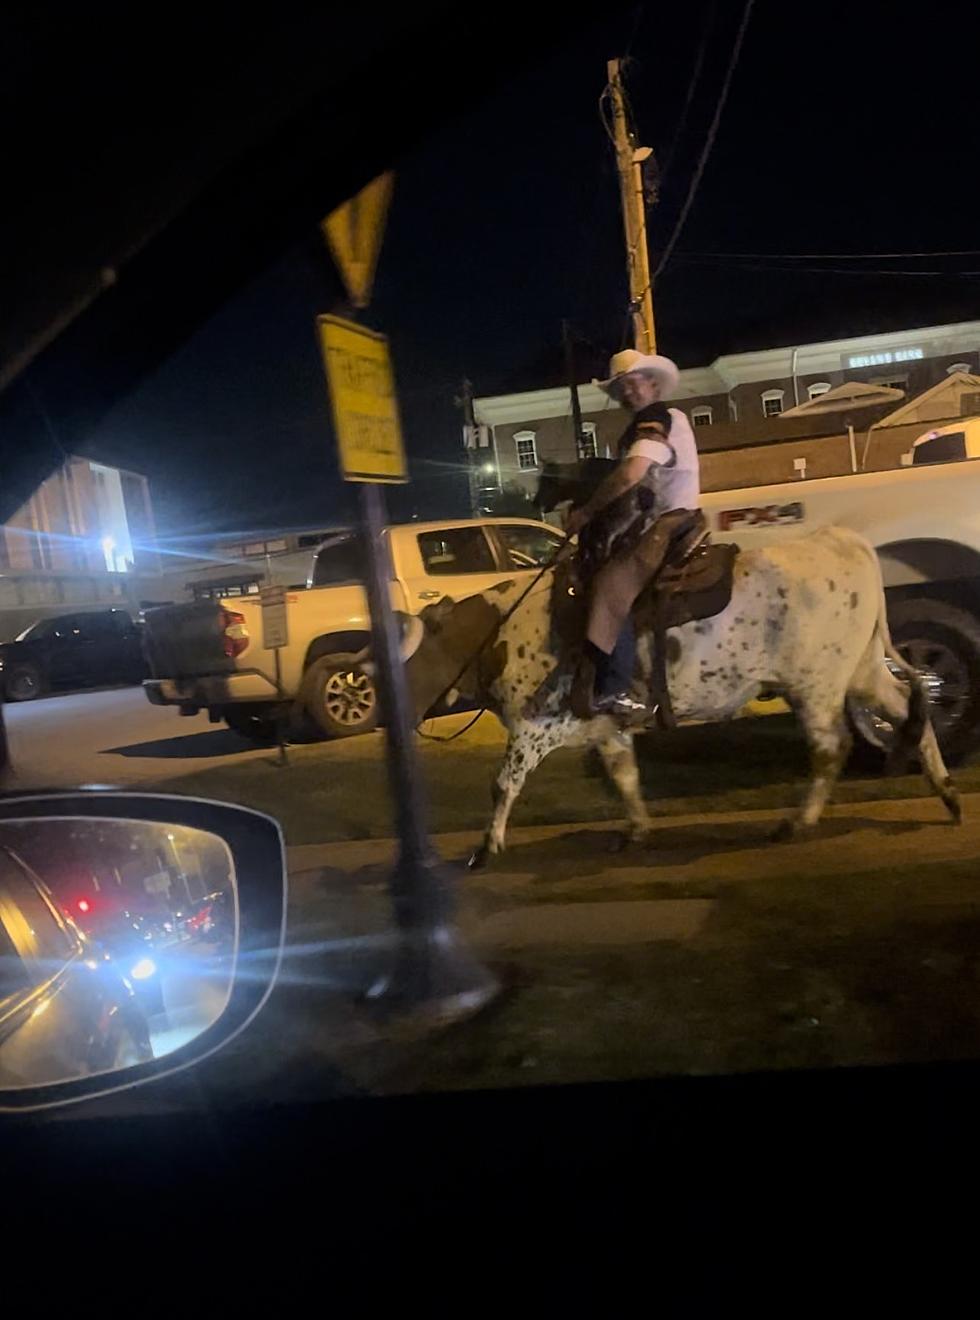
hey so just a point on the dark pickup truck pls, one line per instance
(72, 650)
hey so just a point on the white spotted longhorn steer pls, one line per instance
(806, 618)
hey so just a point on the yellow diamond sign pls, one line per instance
(365, 409)
(354, 233)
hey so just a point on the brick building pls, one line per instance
(84, 539)
(735, 404)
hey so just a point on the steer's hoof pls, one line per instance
(952, 803)
(784, 832)
(479, 857)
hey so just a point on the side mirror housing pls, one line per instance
(138, 934)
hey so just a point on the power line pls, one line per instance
(836, 270)
(709, 141)
(691, 88)
(836, 256)
(638, 16)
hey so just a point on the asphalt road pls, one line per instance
(112, 736)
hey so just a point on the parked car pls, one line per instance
(65, 1010)
(72, 650)
(210, 655)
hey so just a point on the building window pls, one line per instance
(586, 442)
(891, 382)
(701, 416)
(772, 402)
(527, 450)
(817, 388)
(959, 366)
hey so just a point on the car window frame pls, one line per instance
(97, 626)
(488, 540)
(503, 552)
(335, 542)
(36, 954)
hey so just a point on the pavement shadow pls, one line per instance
(583, 851)
(190, 746)
(60, 693)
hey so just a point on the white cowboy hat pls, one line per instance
(629, 360)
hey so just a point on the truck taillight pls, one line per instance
(234, 634)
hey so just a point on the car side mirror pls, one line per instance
(138, 934)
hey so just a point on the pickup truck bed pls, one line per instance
(210, 655)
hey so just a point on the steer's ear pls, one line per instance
(435, 616)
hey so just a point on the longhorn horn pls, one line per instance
(412, 637)
(414, 631)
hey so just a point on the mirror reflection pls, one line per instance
(117, 944)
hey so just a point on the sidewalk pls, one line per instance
(566, 884)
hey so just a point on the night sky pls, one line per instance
(849, 129)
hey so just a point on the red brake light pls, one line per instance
(234, 634)
(84, 905)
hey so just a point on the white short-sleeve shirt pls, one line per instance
(675, 474)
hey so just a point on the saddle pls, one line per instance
(694, 583)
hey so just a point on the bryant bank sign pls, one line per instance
(857, 360)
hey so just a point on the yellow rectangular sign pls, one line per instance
(365, 410)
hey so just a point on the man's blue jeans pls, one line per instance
(614, 674)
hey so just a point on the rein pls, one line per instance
(549, 567)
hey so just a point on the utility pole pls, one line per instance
(465, 401)
(629, 162)
(570, 376)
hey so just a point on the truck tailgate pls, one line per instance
(185, 640)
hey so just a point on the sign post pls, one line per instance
(275, 635)
(433, 974)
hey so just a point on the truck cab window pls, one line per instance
(456, 550)
(528, 547)
(338, 562)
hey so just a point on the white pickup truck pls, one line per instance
(210, 656)
(924, 521)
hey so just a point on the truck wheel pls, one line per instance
(23, 682)
(339, 697)
(943, 643)
(256, 723)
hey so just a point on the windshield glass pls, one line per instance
(637, 697)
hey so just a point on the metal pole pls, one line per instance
(566, 337)
(473, 454)
(280, 710)
(433, 974)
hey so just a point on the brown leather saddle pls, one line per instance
(694, 583)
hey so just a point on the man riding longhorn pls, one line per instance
(657, 479)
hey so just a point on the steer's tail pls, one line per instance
(913, 729)
(916, 738)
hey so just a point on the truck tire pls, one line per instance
(23, 682)
(943, 643)
(339, 697)
(256, 723)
